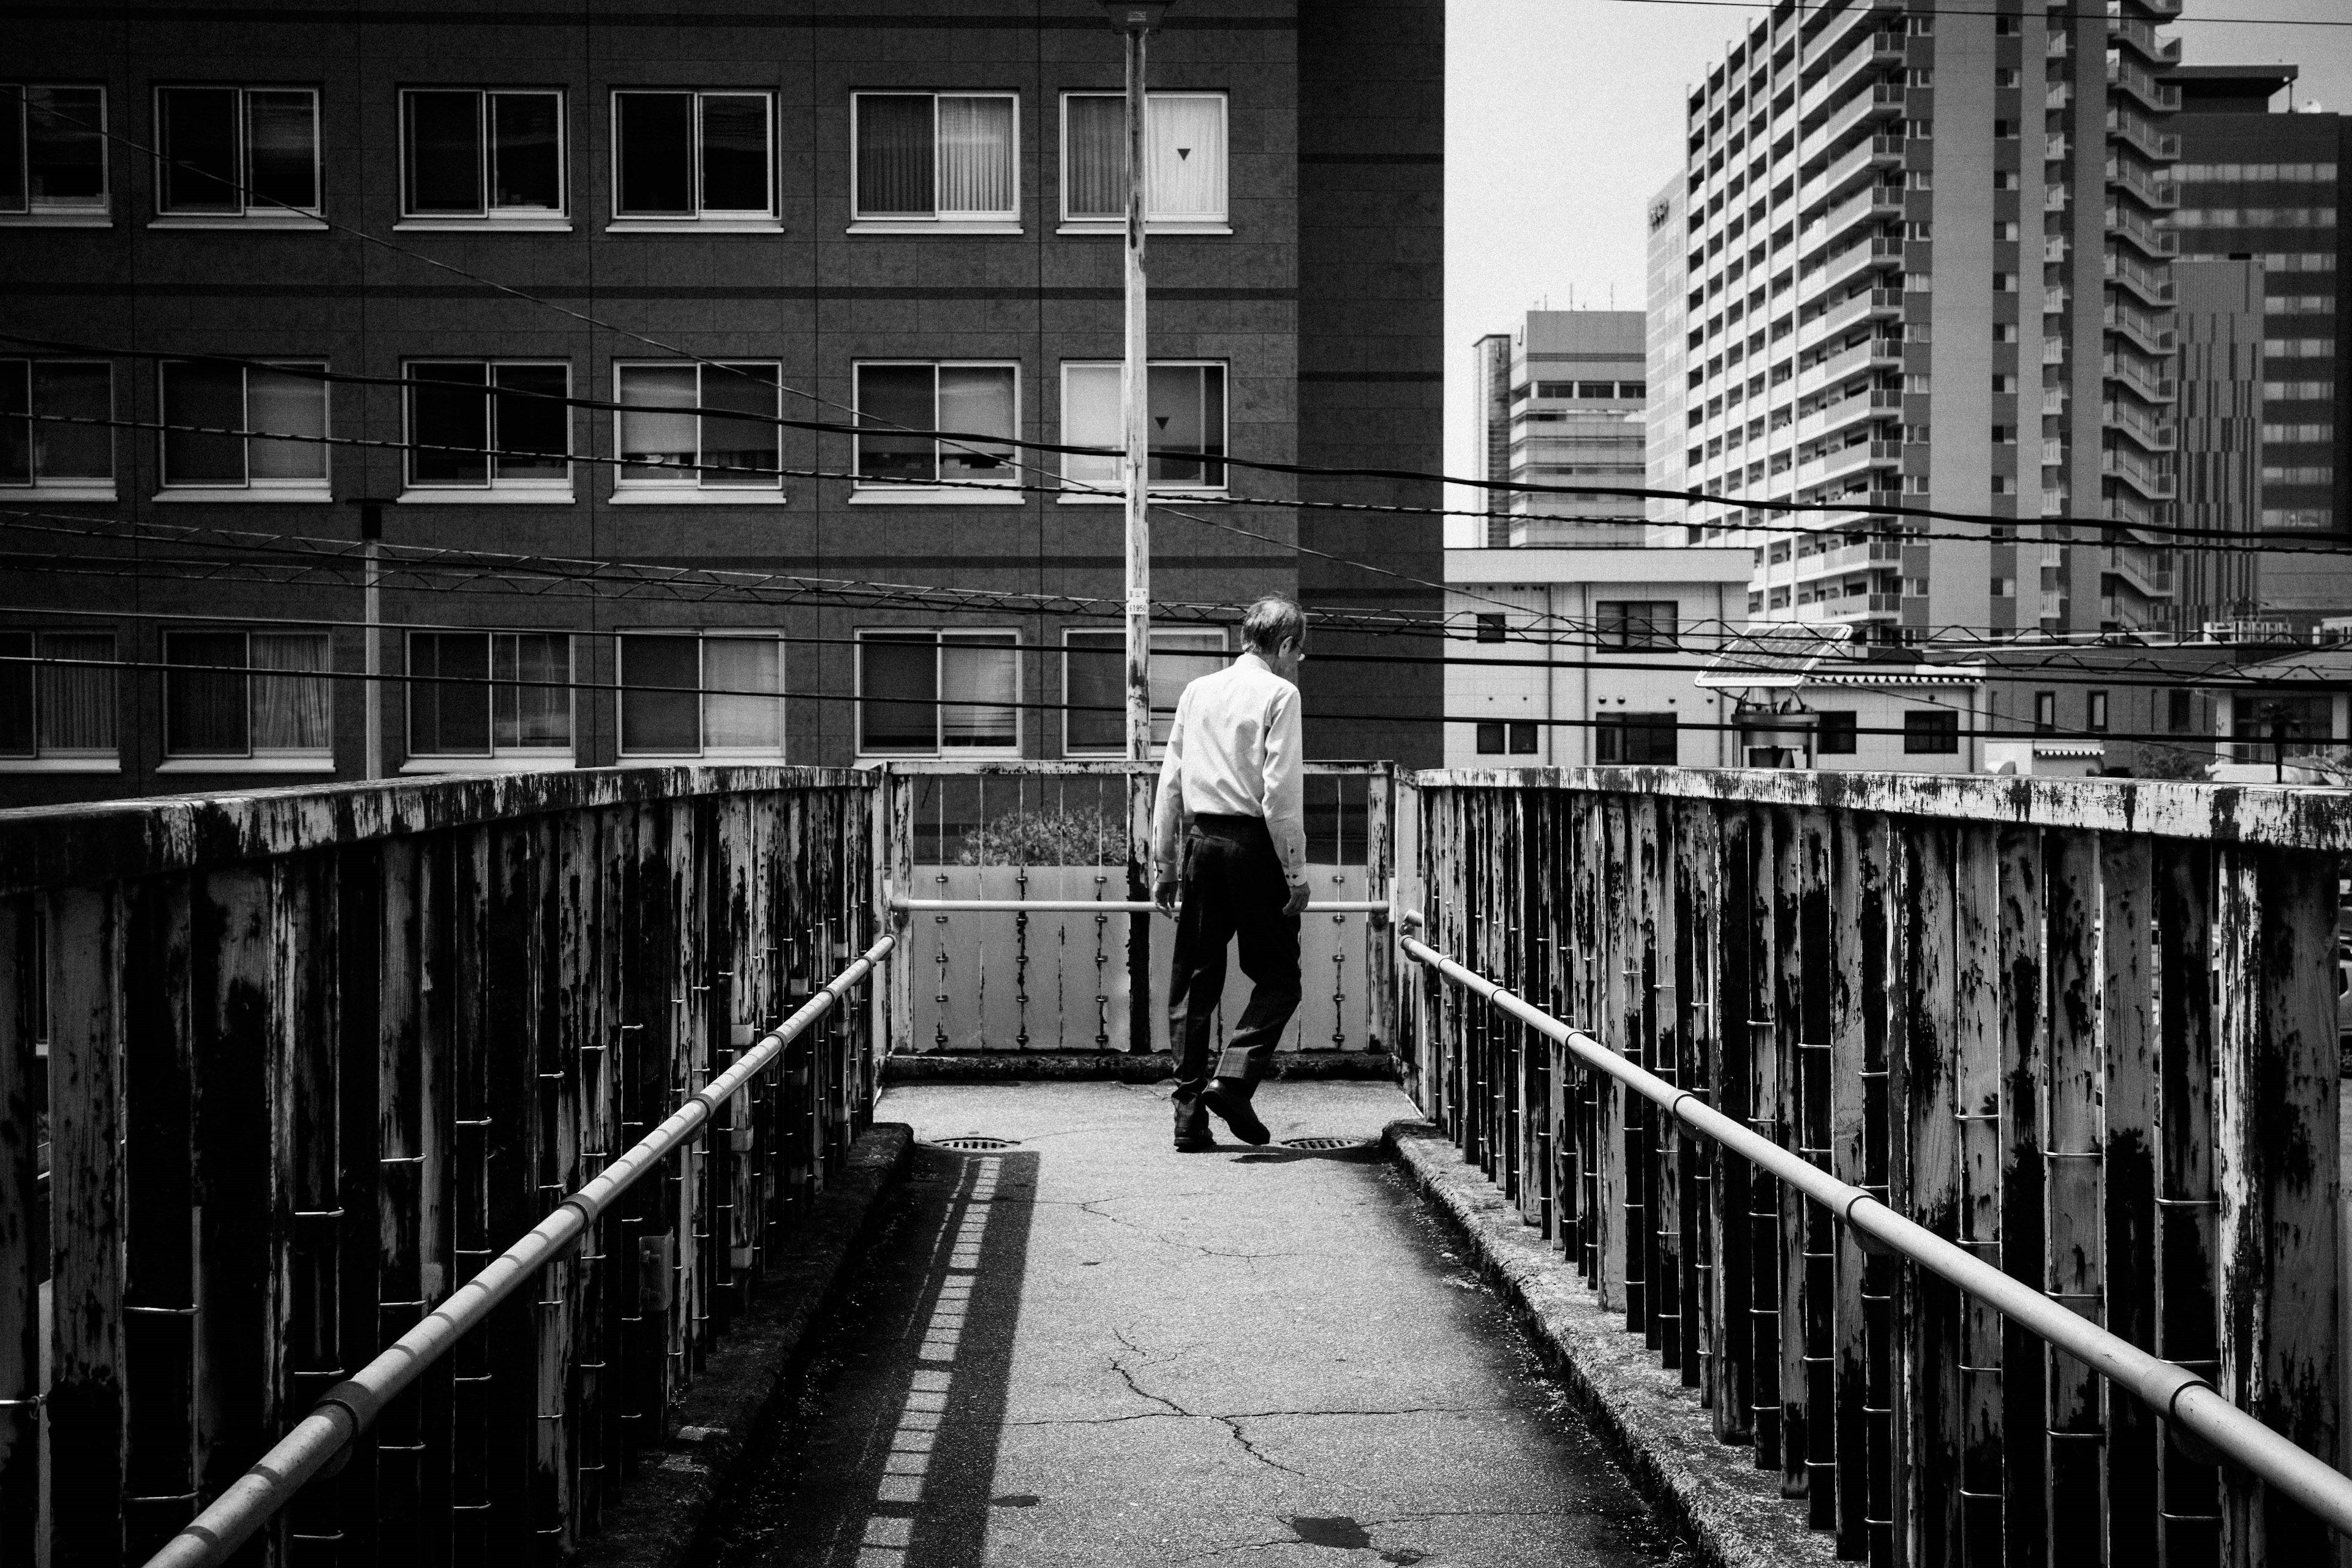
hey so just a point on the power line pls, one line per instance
(2054, 12)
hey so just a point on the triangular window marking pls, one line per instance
(1183, 152)
(1160, 420)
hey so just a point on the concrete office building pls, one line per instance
(1924, 264)
(1668, 353)
(1626, 693)
(2220, 306)
(755, 210)
(2262, 189)
(1561, 402)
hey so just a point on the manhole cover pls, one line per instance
(974, 1143)
(1326, 1143)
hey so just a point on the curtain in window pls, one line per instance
(655, 443)
(204, 707)
(733, 670)
(655, 132)
(1186, 146)
(894, 152)
(289, 709)
(1178, 659)
(976, 156)
(445, 152)
(980, 682)
(661, 711)
(212, 395)
(735, 153)
(73, 451)
(897, 676)
(1090, 418)
(738, 449)
(1094, 157)
(526, 159)
(65, 151)
(281, 151)
(295, 405)
(77, 702)
(978, 398)
(531, 705)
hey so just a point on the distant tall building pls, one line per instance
(2221, 425)
(1561, 402)
(2265, 188)
(1923, 263)
(1669, 354)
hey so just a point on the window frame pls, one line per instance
(1624, 724)
(705, 751)
(1091, 223)
(492, 217)
(33, 215)
(1008, 637)
(1070, 635)
(506, 758)
(63, 759)
(1617, 633)
(1931, 732)
(492, 490)
(306, 489)
(252, 759)
(66, 487)
(629, 489)
(939, 221)
(1080, 491)
(718, 219)
(277, 215)
(1839, 739)
(869, 490)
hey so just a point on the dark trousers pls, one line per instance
(1233, 886)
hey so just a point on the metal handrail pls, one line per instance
(2208, 1425)
(349, 1407)
(1104, 906)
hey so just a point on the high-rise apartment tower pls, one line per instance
(1924, 266)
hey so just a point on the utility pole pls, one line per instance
(1135, 20)
(371, 649)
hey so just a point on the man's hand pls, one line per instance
(1163, 894)
(1298, 901)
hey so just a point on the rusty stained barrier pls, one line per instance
(318, 1057)
(2085, 1032)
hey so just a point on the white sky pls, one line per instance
(1563, 117)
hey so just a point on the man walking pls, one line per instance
(1233, 770)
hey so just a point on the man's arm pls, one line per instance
(1285, 783)
(1168, 805)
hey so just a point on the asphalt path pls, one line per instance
(1088, 1350)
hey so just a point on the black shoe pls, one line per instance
(1232, 1101)
(1193, 1136)
(1195, 1143)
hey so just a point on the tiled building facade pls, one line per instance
(1560, 403)
(1924, 260)
(771, 210)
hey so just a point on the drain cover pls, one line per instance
(974, 1142)
(1326, 1143)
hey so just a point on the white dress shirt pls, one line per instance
(1235, 750)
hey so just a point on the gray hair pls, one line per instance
(1272, 619)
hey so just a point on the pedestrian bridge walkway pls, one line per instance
(380, 1165)
(1087, 1350)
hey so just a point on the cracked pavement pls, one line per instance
(1091, 1350)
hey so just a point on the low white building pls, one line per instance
(1812, 695)
(1589, 655)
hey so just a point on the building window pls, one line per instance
(57, 713)
(1187, 425)
(2045, 712)
(1836, 736)
(1515, 737)
(286, 409)
(69, 461)
(487, 154)
(1638, 623)
(1093, 684)
(1184, 158)
(1931, 732)
(236, 694)
(52, 153)
(895, 400)
(1491, 627)
(928, 694)
(709, 696)
(489, 425)
(236, 151)
(2097, 718)
(1488, 738)
(1522, 737)
(935, 157)
(1629, 738)
(490, 694)
(2176, 715)
(666, 448)
(688, 156)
